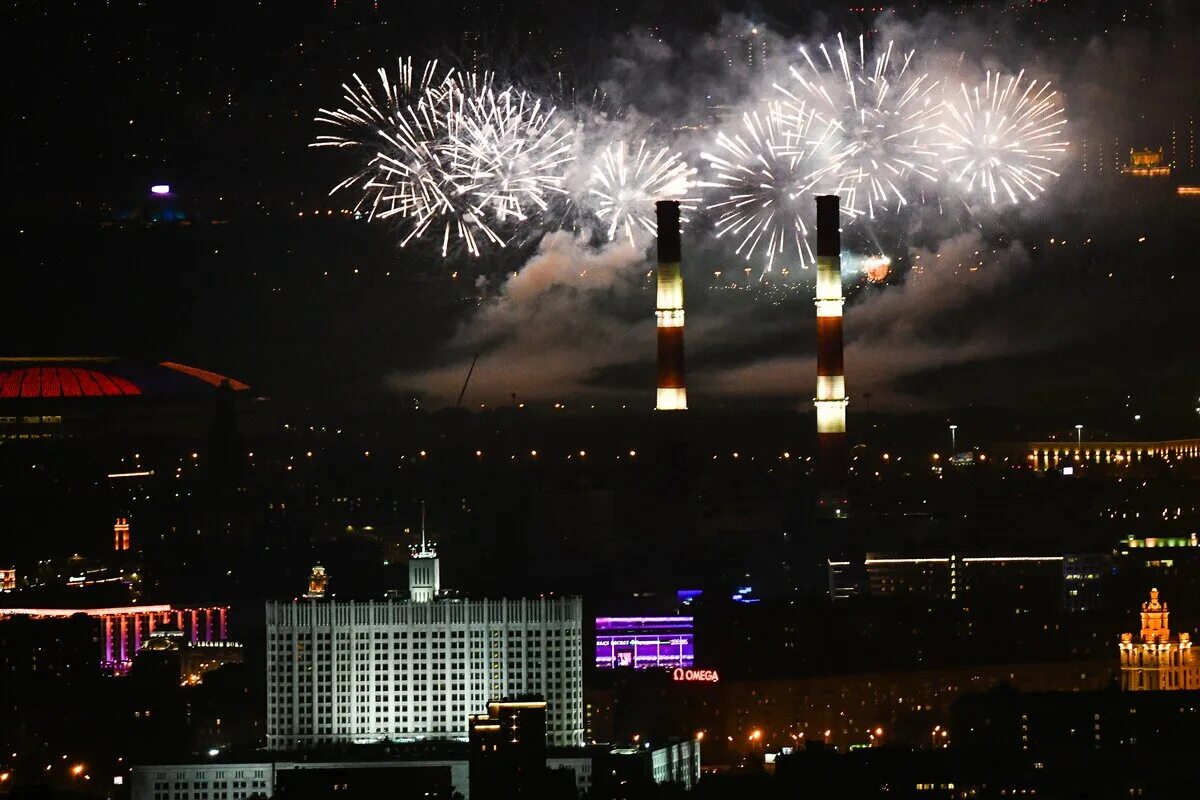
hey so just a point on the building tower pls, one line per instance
(672, 390)
(831, 382)
(1158, 661)
(121, 534)
(424, 570)
(318, 581)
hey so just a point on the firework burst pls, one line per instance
(884, 115)
(1002, 139)
(385, 121)
(507, 151)
(763, 174)
(626, 183)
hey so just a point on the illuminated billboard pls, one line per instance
(644, 642)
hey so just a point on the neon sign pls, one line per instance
(644, 642)
(695, 675)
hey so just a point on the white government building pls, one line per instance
(345, 671)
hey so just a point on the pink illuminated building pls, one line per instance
(124, 629)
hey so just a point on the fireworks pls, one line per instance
(626, 184)
(508, 151)
(1002, 141)
(765, 174)
(451, 154)
(462, 160)
(389, 123)
(883, 115)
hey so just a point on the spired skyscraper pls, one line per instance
(347, 671)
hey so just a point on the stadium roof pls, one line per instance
(34, 378)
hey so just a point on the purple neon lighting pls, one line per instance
(645, 623)
(644, 642)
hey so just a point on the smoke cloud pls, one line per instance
(552, 330)
(576, 320)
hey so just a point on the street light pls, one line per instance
(1079, 435)
(953, 438)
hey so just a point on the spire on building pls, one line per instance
(1155, 620)
(424, 569)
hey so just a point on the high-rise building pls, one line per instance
(1158, 660)
(345, 671)
(121, 534)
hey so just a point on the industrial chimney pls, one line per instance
(832, 453)
(672, 390)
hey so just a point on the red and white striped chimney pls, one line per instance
(832, 452)
(672, 390)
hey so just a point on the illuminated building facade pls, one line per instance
(508, 750)
(121, 535)
(1147, 164)
(416, 669)
(750, 49)
(954, 577)
(1086, 581)
(239, 780)
(1157, 660)
(831, 381)
(1054, 455)
(8, 579)
(672, 388)
(1183, 144)
(318, 580)
(645, 642)
(125, 629)
(194, 658)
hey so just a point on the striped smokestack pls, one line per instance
(672, 391)
(832, 458)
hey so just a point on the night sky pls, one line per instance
(330, 314)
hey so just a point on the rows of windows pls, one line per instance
(390, 680)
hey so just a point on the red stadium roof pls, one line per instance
(38, 378)
(210, 378)
(63, 382)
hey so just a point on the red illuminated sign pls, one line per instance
(695, 675)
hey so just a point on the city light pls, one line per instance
(160, 188)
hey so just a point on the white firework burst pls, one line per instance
(764, 174)
(507, 151)
(625, 183)
(884, 115)
(1002, 140)
(385, 122)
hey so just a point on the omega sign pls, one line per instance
(695, 675)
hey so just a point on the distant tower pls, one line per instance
(424, 570)
(672, 389)
(1157, 661)
(317, 582)
(121, 535)
(832, 458)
